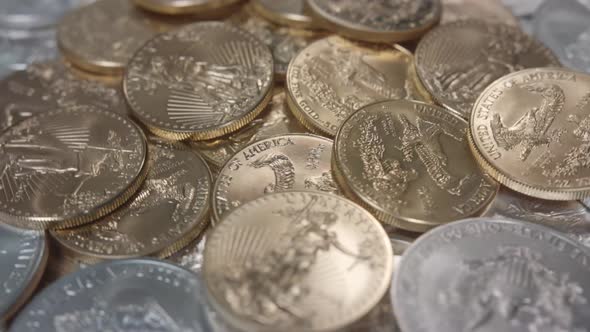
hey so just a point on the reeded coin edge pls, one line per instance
(289, 19)
(215, 217)
(357, 32)
(302, 117)
(46, 223)
(239, 323)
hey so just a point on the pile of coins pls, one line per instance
(291, 165)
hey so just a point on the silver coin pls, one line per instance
(17, 52)
(523, 7)
(489, 275)
(568, 217)
(34, 14)
(191, 256)
(23, 255)
(563, 25)
(123, 296)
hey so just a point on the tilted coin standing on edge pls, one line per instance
(68, 167)
(278, 163)
(284, 42)
(377, 21)
(208, 9)
(333, 77)
(458, 60)
(409, 163)
(531, 131)
(102, 37)
(202, 81)
(284, 12)
(169, 210)
(275, 120)
(123, 295)
(568, 217)
(493, 275)
(23, 256)
(297, 261)
(49, 86)
(489, 11)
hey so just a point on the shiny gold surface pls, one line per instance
(321, 256)
(274, 120)
(458, 60)
(102, 36)
(284, 12)
(377, 21)
(333, 77)
(169, 211)
(209, 9)
(229, 83)
(531, 131)
(409, 163)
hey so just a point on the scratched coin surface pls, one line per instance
(489, 10)
(278, 163)
(284, 42)
(531, 131)
(458, 60)
(67, 167)
(333, 77)
(169, 210)
(49, 86)
(284, 12)
(297, 261)
(384, 21)
(493, 275)
(275, 120)
(409, 163)
(200, 8)
(124, 295)
(202, 81)
(23, 255)
(102, 37)
(568, 217)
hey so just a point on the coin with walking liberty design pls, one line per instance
(170, 209)
(202, 81)
(123, 295)
(409, 163)
(530, 130)
(68, 167)
(23, 256)
(297, 261)
(458, 60)
(493, 275)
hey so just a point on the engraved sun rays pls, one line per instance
(221, 81)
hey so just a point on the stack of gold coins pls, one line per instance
(288, 153)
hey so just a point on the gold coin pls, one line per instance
(208, 9)
(102, 36)
(457, 61)
(377, 21)
(297, 261)
(409, 163)
(531, 131)
(285, 43)
(489, 11)
(278, 163)
(274, 120)
(284, 12)
(202, 81)
(333, 77)
(49, 86)
(169, 211)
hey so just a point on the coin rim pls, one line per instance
(405, 223)
(239, 321)
(397, 286)
(298, 21)
(209, 9)
(215, 217)
(354, 31)
(49, 222)
(206, 134)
